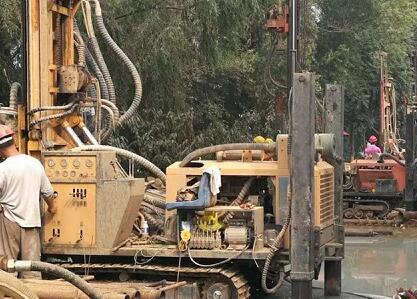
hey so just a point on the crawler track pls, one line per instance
(238, 284)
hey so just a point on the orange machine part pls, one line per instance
(370, 170)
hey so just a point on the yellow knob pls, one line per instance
(186, 235)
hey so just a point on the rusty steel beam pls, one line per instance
(334, 123)
(302, 176)
(410, 194)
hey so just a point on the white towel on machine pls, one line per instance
(215, 179)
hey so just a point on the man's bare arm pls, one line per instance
(51, 202)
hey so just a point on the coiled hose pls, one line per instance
(13, 95)
(152, 208)
(268, 147)
(153, 222)
(153, 200)
(129, 155)
(59, 272)
(239, 199)
(132, 69)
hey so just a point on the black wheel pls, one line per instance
(216, 290)
(369, 214)
(349, 213)
(359, 214)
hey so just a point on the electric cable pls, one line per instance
(218, 263)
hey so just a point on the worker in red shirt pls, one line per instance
(372, 148)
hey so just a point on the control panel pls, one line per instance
(74, 223)
(71, 167)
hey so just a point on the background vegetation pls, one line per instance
(205, 63)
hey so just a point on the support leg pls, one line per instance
(301, 289)
(332, 278)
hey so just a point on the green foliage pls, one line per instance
(351, 36)
(205, 65)
(10, 46)
(201, 64)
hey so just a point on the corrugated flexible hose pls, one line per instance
(13, 94)
(152, 168)
(268, 147)
(278, 240)
(239, 199)
(60, 273)
(132, 68)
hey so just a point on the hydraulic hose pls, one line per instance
(129, 155)
(268, 147)
(93, 64)
(49, 108)
(278, 240)
(155, 209)
(153, 222)
(54, 116)
(80, 48)
(113, 107)
(59, 272)
(97, 52)
(239, 199)
(154, 200)
(132, 69)
(13, 95)
(99, 75)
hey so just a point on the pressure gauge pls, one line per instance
(51, 163)
(76, 163)
(89, 163)
(63, 163)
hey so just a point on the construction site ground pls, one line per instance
(374, 267)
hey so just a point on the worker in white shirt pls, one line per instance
(22, 182)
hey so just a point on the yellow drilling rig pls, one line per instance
(257, 214)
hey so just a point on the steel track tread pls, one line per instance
(227, 274)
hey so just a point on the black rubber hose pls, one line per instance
(132, 68)
(268, 147)
(67, 276)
